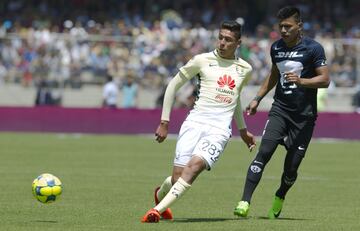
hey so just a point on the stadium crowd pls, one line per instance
(75, 42)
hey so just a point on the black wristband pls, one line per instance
(257, 98)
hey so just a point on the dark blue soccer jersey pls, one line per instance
(302, 59)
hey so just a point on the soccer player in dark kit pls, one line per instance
(298, 69)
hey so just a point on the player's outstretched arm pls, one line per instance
(248, 138)
(266, 86)
(169, 97)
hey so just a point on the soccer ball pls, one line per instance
(46, 188)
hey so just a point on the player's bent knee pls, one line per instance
(195, 166)
(266, 150)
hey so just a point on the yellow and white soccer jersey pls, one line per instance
(220, 84)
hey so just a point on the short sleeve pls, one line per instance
(272, 54)
(319, 58)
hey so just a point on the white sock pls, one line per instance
(176, 191)
(164, 188)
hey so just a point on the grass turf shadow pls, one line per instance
(201, 219)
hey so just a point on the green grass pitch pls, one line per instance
(109, 180)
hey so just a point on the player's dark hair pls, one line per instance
(289, 11)
(232, 26)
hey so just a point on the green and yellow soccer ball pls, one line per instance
(47, 188)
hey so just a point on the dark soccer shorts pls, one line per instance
(291, 131)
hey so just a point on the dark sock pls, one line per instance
(286, 183)
(252, 180)
(257, 167)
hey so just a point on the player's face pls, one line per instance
(227, 43)
(290, 30)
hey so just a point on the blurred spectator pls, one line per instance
(154, 38)
(71, 46)
(356, 100)
(160, 99)
(186, 95)
(110, 93)
(321, 99)
(130, 92)
(3, 73)
(44, 95)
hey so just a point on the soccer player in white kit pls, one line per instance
(207, 129)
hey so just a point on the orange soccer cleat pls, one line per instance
(152, 216)
(167, 214)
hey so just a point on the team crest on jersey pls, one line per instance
(239, 70)
(226, 80)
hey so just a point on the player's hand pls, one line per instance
(292, 77)
(162, 131)
(252, 107)
(248, 138)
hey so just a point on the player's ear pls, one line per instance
(239, 42)
(300, 24)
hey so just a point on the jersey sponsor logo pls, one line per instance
(212, 64)
(292, 54)
(226, 80)
(277, 48)
(223, 99)
(323, 63)
(225, 91)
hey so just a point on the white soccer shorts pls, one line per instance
(200, 139)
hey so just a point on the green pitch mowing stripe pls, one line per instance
(109, 181)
